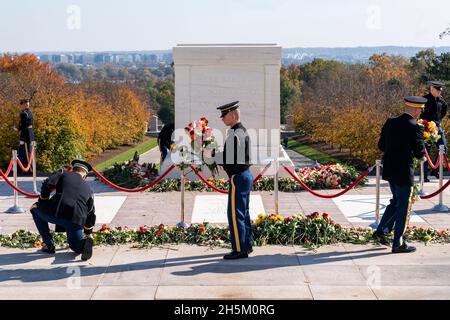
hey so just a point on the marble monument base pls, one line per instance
(256, 168)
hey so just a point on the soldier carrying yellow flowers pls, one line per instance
(401, 140)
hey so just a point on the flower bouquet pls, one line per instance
(200, 146)
(430, 133)
(131, 174)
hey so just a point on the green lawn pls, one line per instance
(128, 155)
(311, 153)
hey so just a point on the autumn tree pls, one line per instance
(290, 89)
(70, 119)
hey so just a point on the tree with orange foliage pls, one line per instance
(69, 120)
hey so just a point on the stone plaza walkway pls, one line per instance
(192, 272)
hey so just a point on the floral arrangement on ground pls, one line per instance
(331, 176)
(310, 231)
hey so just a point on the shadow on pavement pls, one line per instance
(211, 263)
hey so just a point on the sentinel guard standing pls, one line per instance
(25, 127)
(235, 160)
(401, 140)
(435, 110)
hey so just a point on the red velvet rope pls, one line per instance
(150, 185)
(430, 162)
(11, 163)
(205, 181)
(434, 194)
(29, 162)
(259, 176)
(29, 195)
(296, 178)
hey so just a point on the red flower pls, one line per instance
(142, 229)
(325, 215)
(202, 229)
(315, 214)
(159, 233)
(288, 219)
(338, 226)
(161, 226)
(104, 227)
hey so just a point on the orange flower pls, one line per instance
(38, 245)
(202, 229)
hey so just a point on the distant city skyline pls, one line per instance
(156, 59)
(147, 25)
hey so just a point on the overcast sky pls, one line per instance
(101, 25)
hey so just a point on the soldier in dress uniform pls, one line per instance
(25, 127)
(435, 110)
(71, 207)
(235, 160)
(165, 140)
(401, 140)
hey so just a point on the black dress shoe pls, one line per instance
(404, 249)
(250, 250)
(48, 249)
(426, 180)
(86, 254)
(380, 238)
(235, 255)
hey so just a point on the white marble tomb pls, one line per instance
(207, 76)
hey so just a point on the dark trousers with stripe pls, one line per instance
(238, 211)
(24, 154)
(397, 213)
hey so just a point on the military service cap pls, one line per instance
(81, 164)
(415, 101)
(227, 108)
(438, 85)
